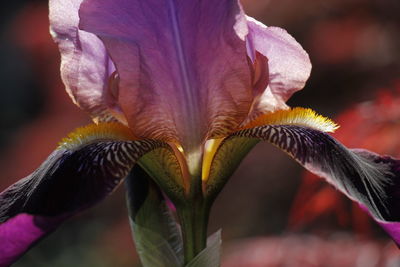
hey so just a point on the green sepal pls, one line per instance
(163, 166)
(211, 255)
(226, 160)
(156, 234)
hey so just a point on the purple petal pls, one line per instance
(20, 232)
(73, 178)
(85, 64)
(367, 178)
(182, 64)
(392, 228)
(288, 64)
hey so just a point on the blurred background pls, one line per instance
(272, 212)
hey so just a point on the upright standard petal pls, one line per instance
(182, 64)
(82, 171)
(365, 177)
(85, 64)
(288, 64)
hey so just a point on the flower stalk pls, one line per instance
(193, 213)
(193, 217)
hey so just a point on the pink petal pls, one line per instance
(288, 64)
(183, 67)
(390, 227)
(85, 64)
(21, 232)
(393, 229)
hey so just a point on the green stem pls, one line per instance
(194, 212)
(194, 221)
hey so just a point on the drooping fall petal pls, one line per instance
(372, 125)
(182, 64)
(365, 177)
(85, 64)
(288, 64)
(81, 172)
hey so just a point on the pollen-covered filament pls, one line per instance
(210, 149)
(295, 116)
(179, 153)
(86, 134)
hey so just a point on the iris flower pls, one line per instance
(183, 89)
